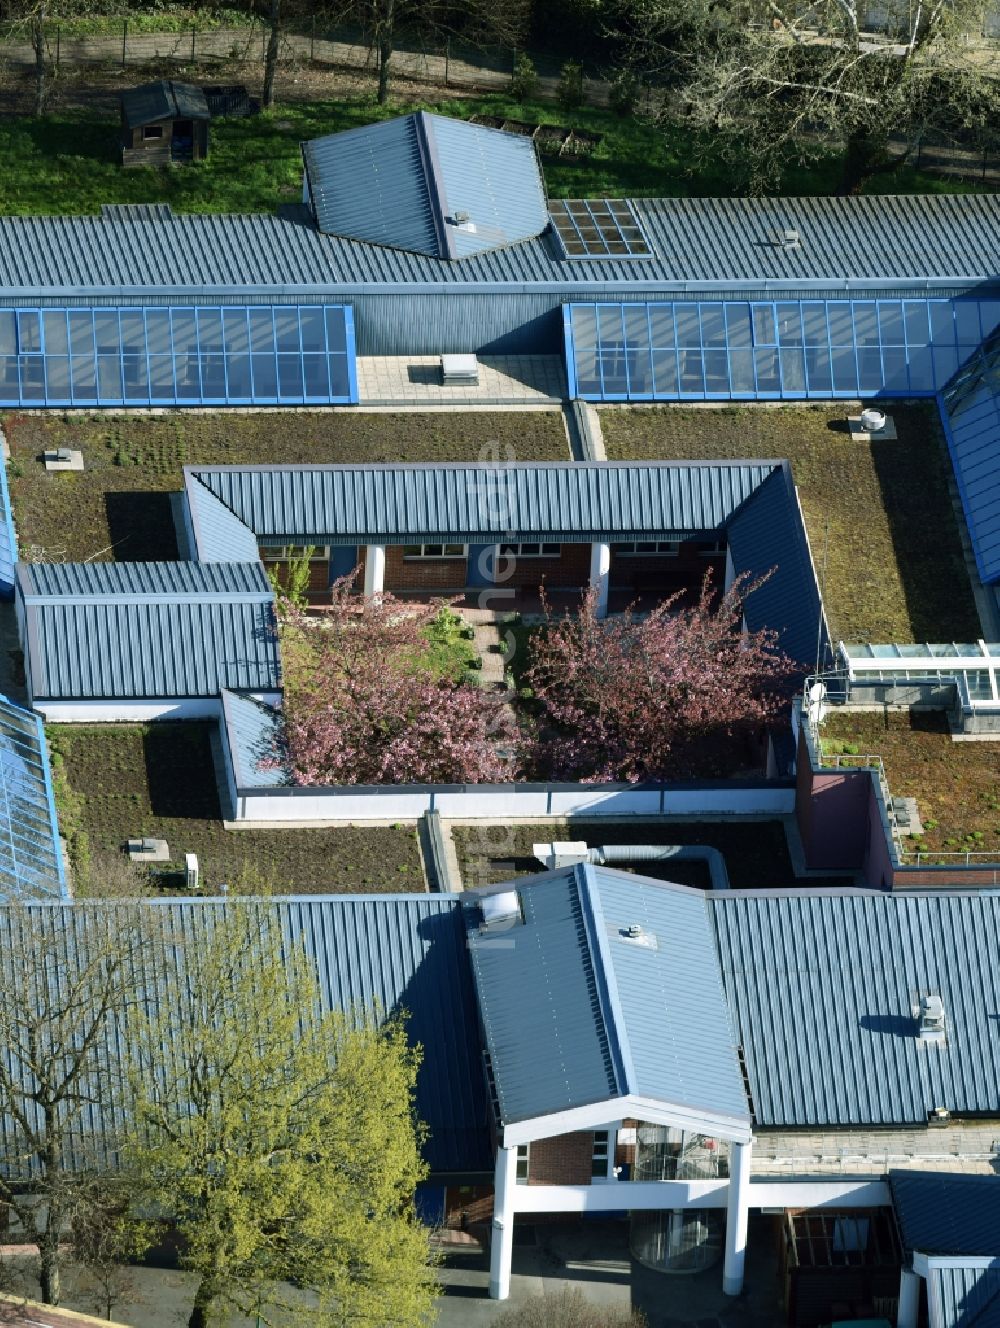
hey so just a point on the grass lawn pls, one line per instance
(956, 784)
(117, 781)
(756, 852)
(119, 507)
(895, 570)
(70, 162)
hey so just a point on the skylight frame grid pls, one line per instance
(598, 228)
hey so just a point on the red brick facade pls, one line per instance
(565, 1160)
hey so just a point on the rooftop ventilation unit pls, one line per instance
(930, 1018)
(790, 239)
(461, 218)
(500, 911)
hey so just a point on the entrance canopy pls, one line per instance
(782, 350)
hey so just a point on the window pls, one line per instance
(647, 548)
(521, 1169)
(285, 553)
(601, 1156)
(598, 228)
(527, 550)
(152, 131)
(424, 551)
(178, 356)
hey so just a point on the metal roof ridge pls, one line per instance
(434, 182)
(435, 467)
(602, 966)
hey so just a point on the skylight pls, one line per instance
(598, 228)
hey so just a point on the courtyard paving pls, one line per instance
(508, 380)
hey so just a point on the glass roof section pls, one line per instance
(31, 864)
(598, 228)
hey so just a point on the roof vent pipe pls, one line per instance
(554, 856)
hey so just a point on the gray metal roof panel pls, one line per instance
(546, 1030)
(822, 988)
(348, 504)
(403, 182)
(383, 954)
(149, 650)
(676, 1022)
(219, 534)
(942, 1212)
(696, 242)
(964, 1297)
(164, 582)
(253, 732)
(767, 536)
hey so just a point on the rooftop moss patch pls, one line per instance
(120, 781)
(956, 784)
(879, 516)
(119, 507)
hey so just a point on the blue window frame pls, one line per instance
(784, 350)
(183, 356)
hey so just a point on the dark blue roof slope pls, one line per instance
(253, 733)
(148, 631)
(767, 536)
(428, 184)
(163, 100)
(947, 241)
(942, 1212)
(964, 1297)
(348, 504)
(970, 409)
(377, 953)
(576, 1013)
(822, 987)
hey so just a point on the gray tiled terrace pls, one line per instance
(508, 380)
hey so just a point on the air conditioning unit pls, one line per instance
(930, 1018)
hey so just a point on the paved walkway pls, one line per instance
(504, 380)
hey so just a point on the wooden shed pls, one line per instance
(164, 122)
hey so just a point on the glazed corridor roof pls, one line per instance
(944, 240)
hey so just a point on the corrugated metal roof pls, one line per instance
(697, 243)
(970, 409)
(964, 1297)
(219, 535)
(254, 734)
(165, 582)
(575, 1014)
(942, 1212)
(163, 100)
(380, 953)
(767, 536)
(405, 183)
(823, 986)
(8, 539)
(570, 501)
(149, 650)
(31, 864)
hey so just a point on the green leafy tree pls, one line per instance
(280, 1136)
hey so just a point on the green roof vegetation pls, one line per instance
(121, 781)
(119, 507)
(956, 784)
(880, 518)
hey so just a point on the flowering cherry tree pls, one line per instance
(363, 703)
(631, 698)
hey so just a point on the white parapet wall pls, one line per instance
(510, 802)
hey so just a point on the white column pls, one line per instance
(909, 1299)
(737, 1203)
(600, 575)
(374, 569)
(502, 1243)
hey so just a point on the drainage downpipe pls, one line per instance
(610, 854)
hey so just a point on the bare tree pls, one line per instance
(778, 81)
(66, 984)
(271, 54)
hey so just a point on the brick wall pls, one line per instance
(435, 575)
(319, 577)
(570, 569)
(565, 1160)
